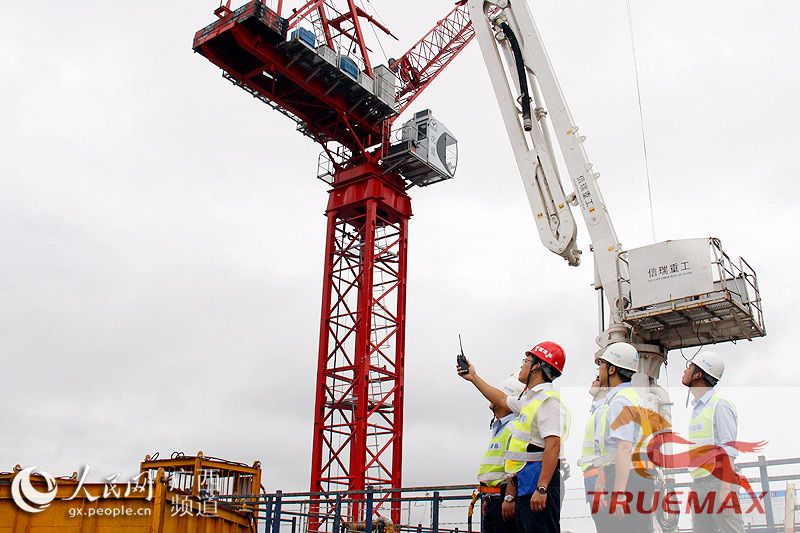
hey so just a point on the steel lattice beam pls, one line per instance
(359, 396)
(424, 61)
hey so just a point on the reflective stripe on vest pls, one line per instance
(588, 449)
(632, 396)
(701, 433)
(517, 454)
(492, 471)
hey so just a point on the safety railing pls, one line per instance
(439, 509)
(730, 310)
(773, 485)
(456, 508)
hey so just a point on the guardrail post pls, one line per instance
(294, 524)
(762, 468)
(480, 511)
(276, 515)
(789, 509)
(337, 514)
(268, 514)
(368, 517)
(435, 517)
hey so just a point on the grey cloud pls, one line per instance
(163, 232)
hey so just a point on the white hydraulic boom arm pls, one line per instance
(724, 305)
(505, 30)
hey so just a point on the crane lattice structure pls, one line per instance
(313, 65)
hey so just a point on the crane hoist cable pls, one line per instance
(641, 121)
(374, 31)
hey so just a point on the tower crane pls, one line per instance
(313, 65)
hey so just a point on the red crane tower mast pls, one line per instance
(314, 67)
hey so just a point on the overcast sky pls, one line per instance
(162, 232)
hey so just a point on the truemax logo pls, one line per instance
(711, 458)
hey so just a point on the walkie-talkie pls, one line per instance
(461, 359)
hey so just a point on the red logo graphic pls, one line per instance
(711, 458)
(714, 460)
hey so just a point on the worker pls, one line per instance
(590, 450)
(533, 458)
(491, 474)
(620, 484)
(713, 424)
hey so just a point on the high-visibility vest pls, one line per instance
(588, 449)
(492, 471)
(701, 433)
(632, 396)
(517, 454)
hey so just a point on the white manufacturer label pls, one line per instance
(670, 270)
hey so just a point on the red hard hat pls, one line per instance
(551, 353)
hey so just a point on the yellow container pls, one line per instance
(159, 507)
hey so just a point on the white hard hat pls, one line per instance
(709, 362)
(621, 355)
(511, 386)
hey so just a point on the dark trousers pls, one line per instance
(492, 516)
(588, 486)
(727, 521)
(547, 520)
(641, 489)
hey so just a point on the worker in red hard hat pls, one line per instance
(533, 458)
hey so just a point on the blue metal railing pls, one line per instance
(445, 509)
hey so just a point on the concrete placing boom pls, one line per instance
(668, 295)
(510, 25)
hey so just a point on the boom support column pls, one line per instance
(359, 392)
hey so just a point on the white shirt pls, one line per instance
(499, 424)
(596, 403)
(629, 432)
(725, 421)
(550, 416)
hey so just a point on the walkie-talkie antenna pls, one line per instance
(461, 360)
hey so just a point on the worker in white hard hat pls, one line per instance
(491, 474)
(713, 424)
(590, 449)
(620, 483)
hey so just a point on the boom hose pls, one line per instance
(525, 98)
